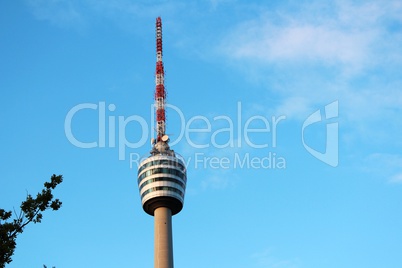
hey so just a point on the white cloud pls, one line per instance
(266, 259)
(216, 182)
(126, 14)
(312, 54)
(216, 3)
(349, 36)
(63, 13)
(388, 166)
(397, 178)
(271, 43)
(143, 9)
(294, 107)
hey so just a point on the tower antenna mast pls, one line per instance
(160, 93)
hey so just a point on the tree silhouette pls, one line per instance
(31, 211)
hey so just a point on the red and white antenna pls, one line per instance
(160, 93)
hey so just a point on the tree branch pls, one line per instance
(31, 210)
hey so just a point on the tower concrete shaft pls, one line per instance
(163, 257)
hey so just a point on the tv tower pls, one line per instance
(162, 176)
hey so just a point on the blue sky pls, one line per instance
(233, 68)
